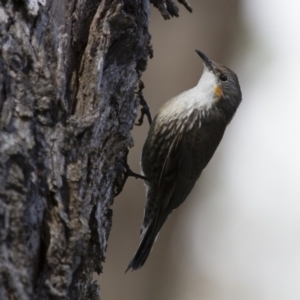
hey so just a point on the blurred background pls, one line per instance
(237, 236)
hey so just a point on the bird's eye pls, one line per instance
(223, 77)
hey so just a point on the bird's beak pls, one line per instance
(205, 59)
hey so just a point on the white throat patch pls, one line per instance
(206, 88)
(201, 97)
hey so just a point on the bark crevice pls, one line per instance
(68, 71)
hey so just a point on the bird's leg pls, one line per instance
(126, 172)
(130, 173)
(145, 110)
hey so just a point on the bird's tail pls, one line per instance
(144, 249)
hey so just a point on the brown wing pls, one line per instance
(188, 155)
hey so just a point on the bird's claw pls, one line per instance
(145, 110)
(126, 172)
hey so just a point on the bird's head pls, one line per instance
(222, 84)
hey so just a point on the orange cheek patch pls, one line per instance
(218, 91)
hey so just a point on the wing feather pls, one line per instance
(176, 180)
(188, 155)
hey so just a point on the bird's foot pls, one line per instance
(145, 110)
(126, 172)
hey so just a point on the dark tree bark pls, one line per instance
(68, 71)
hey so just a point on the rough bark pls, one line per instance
(68, 70)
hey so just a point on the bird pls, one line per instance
(181, 140)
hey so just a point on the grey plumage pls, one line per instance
(181, 141)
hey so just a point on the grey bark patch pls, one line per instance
(68, 70)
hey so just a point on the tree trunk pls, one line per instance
(68, 70)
